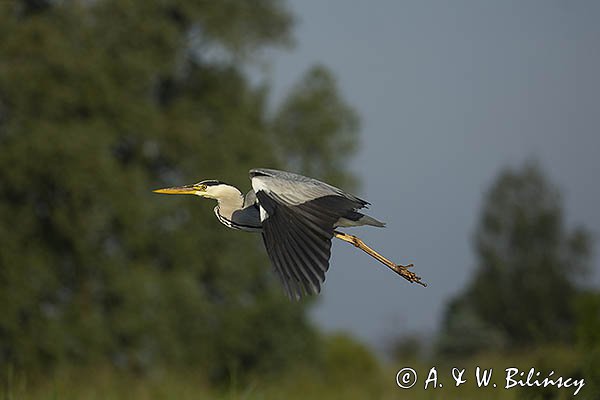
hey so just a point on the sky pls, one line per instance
(449, 93)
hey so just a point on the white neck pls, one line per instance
(230, 199)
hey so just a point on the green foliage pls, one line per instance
(346, 359)
(100, 102)
(316, 130)
(588, 319)
(588, 339)
(407, 348)
(523, 289)
(105, 383)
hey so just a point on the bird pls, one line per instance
(298, 217)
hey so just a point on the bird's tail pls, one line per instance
(367, 220)
(354, 218)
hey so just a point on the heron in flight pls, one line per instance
(298, 218)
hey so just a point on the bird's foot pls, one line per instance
(403, 271)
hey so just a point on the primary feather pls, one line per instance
(298, 216)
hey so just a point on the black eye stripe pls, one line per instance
(211, 183)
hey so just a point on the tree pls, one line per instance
(316, 130)
(588, 339)
(528, 264)
(100, 102)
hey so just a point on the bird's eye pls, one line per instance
(201, 187)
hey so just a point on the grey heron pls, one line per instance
(298, 218)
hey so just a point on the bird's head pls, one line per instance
(210, 189)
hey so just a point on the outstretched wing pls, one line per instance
(298, 216)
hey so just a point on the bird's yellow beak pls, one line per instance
(189, 189)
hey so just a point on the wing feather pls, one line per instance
(305, 274)
(295, 188)
(290, 257)
(297, 265)
(314, 256)
(298, 216)
(280, 262)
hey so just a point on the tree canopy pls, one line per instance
(103, 101)
(524, 288)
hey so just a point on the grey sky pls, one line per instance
(449, 93)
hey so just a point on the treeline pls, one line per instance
(526, 285)
(103, 101)
(527, 294)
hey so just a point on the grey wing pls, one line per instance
(249, 199)
(298, 216)
(295, 188)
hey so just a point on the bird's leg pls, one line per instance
(402, 270)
